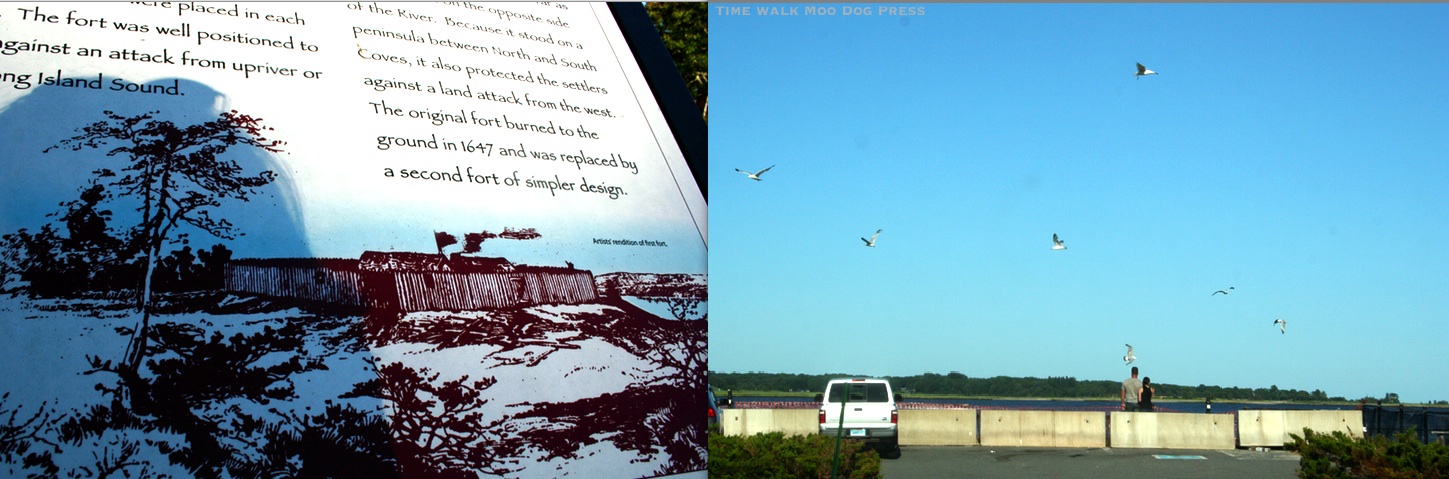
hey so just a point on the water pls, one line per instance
(661, 309)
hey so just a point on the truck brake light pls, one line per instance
(895, 417)
(822, 416)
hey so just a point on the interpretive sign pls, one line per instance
(333, 239)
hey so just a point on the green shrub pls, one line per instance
(1339, 456)
(777, 456)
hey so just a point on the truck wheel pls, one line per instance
(890, 450)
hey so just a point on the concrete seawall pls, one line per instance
(1271, 428)
(748, 422)
(1166, 430)
(1044, 428)
(1085, 429)
(938, 427)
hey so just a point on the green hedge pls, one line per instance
(777, 456)
(1339, 456)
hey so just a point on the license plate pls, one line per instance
(857, 433)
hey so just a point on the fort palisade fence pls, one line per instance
(411, 282)
(472, 291)
(957, 425)
(331, 281)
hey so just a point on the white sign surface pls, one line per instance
(467, 222)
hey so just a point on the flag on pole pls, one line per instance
(444, 239)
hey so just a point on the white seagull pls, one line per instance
(1282, 326)
(1129, 357)
(871, 242)
(1224, 291)
(756, 175)
(1141, 70)
(1057, 243)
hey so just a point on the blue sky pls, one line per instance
(1294, 152)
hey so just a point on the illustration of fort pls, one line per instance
(408, 282)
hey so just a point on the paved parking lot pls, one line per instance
(941, 462)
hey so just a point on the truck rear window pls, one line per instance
(860, 392)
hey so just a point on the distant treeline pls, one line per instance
(1001, 386)
(83, 253)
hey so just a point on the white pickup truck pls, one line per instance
(870, 411)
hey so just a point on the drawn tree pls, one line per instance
(685, 307)
(610, 288)
(179, 177)
(440, 429)
(54, 265)
(21, 442)
(32, 257)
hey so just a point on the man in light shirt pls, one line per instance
(1130, 387)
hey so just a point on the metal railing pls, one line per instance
(1429, 424)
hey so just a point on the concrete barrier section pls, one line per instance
(1168, 430)
(1044, 428)
(938, 427)
(748, 422)
(958, 427)
(1271, 428)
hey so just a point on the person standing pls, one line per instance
(1144, 401)
(1130, 389)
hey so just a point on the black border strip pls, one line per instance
(684, 118)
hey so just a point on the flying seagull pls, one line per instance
(1282, 326)
(1141, 70)
(756, 175)
(1057, 243)
(871, 242)
(1129, 357)
(1224, 291)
